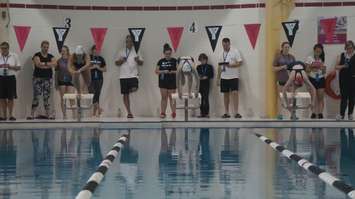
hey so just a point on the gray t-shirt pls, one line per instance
(280, 60)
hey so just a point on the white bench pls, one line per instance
(82, 102)
(186, 106)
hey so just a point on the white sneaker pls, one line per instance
(350, 117)
(339, 117)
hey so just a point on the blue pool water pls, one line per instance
(174, 163)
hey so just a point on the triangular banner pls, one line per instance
(253, 33)
(60, 34)
(137, 34)
(98, 34)
(213, 33)
(328, 26)
(291, 28)
(22, 33)
(175, 34)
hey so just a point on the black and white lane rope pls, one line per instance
(97, 177)
(324, 176)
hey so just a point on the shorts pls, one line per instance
(229, 85)
(320, 84)
(129, 85)
(62, 83)
(169, 84)
(8, 87)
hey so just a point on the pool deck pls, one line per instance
(144, 123)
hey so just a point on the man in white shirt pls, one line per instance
(128, 61)
(9, 65)
(228, 77)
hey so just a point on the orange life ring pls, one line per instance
(328, 86)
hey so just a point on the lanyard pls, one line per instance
(225, 55)
(128, 52)
(5, 60)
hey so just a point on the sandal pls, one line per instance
(12, 118)
(130, 116)
(226, 116)
(162, 115)
(29, 118)
(173, 115)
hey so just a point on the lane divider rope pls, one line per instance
(96, 178)
(308, 166)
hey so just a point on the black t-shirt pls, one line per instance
(169, 65)
(40, 72)
(205, 70)
(95, 73)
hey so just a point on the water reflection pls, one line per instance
(173, 163)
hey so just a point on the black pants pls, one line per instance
(95, 88)
(205, 90)
(347, 92)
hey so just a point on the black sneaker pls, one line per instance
(320, 116)
(2, 119)
(226, 116)
(313, 116)
(12, 118)
(238, 116)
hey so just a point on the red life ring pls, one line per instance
(328, 86)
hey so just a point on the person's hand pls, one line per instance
(196, 95)
(6, 66)
(123, 59)
(284, 67)
(136, 59)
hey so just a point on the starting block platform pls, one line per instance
(294, 96)
(186, 105)
(81, 102)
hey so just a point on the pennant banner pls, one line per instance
(22, 33)
(290, 29)
(137, 34)
(175, 34)
(213, 33)
(328, 26)
(60, 34)
(98, 34)
(253, 33)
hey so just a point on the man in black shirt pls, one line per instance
(42, 79)
(205, 71)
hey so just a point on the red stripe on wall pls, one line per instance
(172, 8)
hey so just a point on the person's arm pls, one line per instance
(121, 60)
(219, 71)
(17, 65)
(179, 75)
(52, 63)
(195, 73)
(238, 61)
(37, 62)
(236, 64)
(138, 60)
(276, 65)
(286, 88)
(210, 73)
(103, 67)
(338, 66)
(87, 64)
(71, 67)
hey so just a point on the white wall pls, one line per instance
(146, 101)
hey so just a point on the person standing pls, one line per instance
(166, 70)
(228, 77)
(98, 66)
(44, 63)
(128, 61)
(281, 61)
(63, 77)
(9, 65)
(205, 72)
(346, 66)
(316, 72)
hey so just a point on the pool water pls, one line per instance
(174, 163)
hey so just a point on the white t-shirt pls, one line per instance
(314, 73)
(129, 69)
(232, 57)
(13, 60)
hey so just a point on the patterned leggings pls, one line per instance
(41, 86)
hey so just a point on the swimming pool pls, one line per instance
(174, 163)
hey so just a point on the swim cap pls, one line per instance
(79, 50)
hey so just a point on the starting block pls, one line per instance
(294, 96)
(82, 102)
(186, 106)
